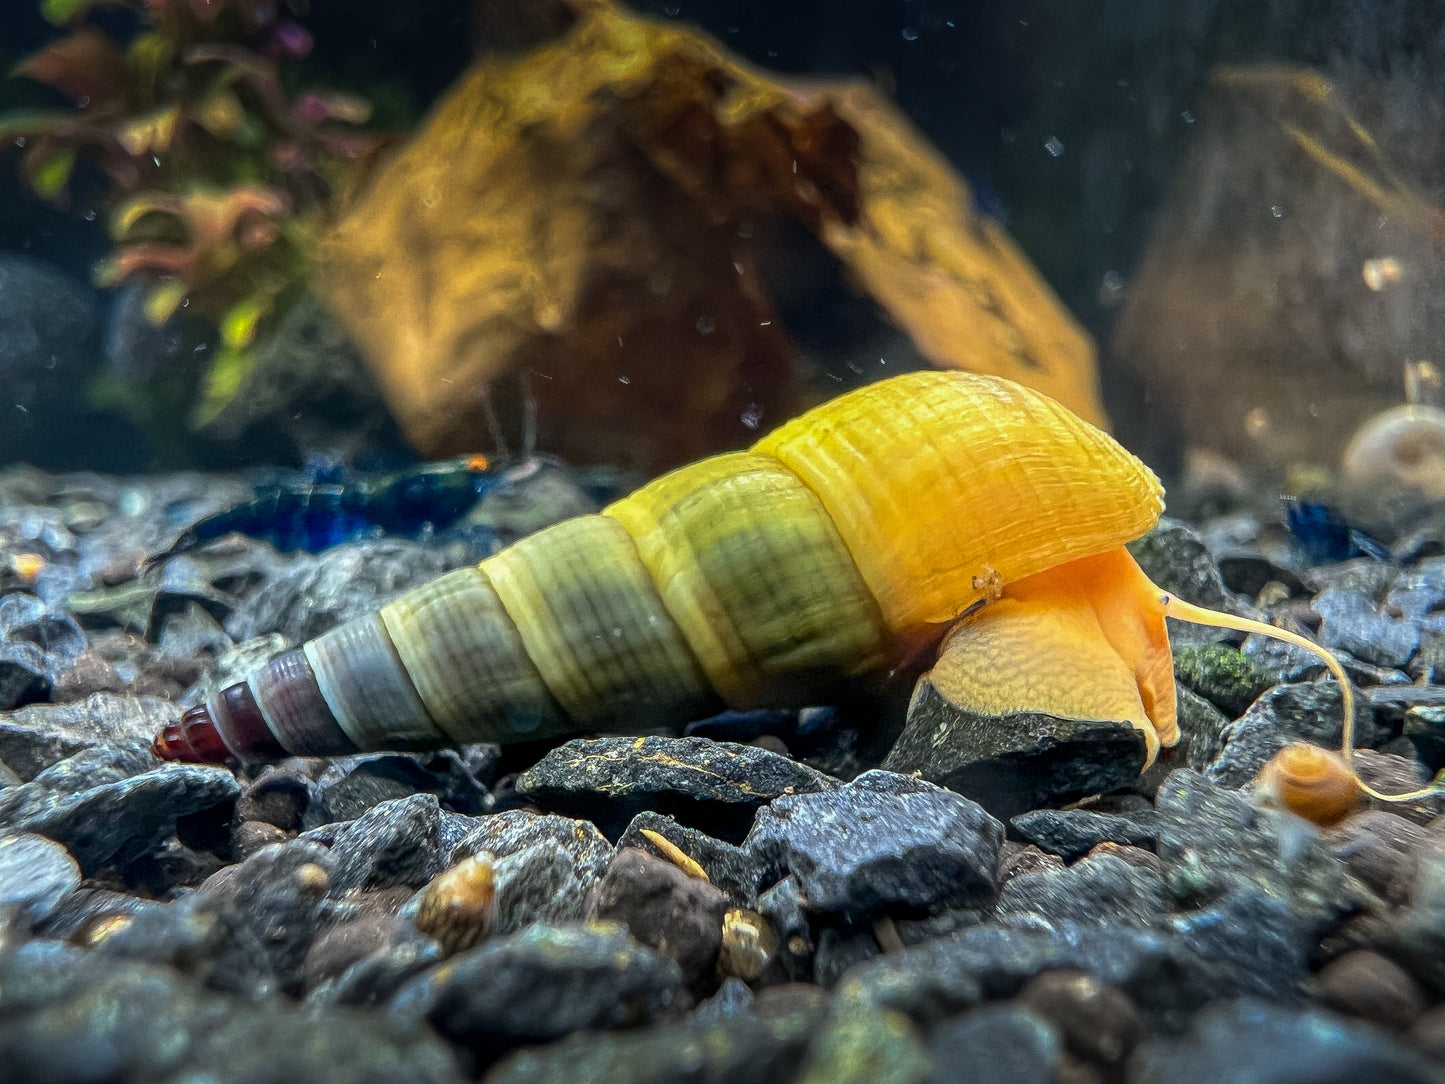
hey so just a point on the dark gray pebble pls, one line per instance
(714, 786)
(1382, 850)
(1272, 1044)
(1308, 711)
(105, 820)
(315, 593)
(883, 840)
(1354, 623)
(540, 984)
(1100, 888)
(997, 1044)
(761, 1040)
(35, 737)
(1016, 762)
(540, 883)
(36, 876)
(349, 786)
(1071, 833)
(394, 843)
(503, 834)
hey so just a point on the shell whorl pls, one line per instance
(752, 578)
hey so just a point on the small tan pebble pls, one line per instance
(1370, 986)
(459, 907)
(1099, 1022)
(1310, 782)
(1016, 858)
(99, 928)
(676, 855)
(27, 566)
(772, 743)
(248, 837)
(749, 945)
(313, 878)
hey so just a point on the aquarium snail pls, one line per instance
(841, 545)
(1310, 782)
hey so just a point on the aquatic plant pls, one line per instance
(219, 173)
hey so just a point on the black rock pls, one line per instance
(1072, 833)
(36, 876)
(314, 594)
(104, 819)
(37, 646)
(762, 1041)
(1099, 888)
(731, 868)
(1168, 972)
(665, 909)
(881, 841)
(282, 795)
(349, 786)
(1270, 1044)
(503, 834)
(1382, 850)
(72, 1016)
(997, 1043)
(246, 930)
(1013, 763)
(714, 786)
(540, 883)
(1353, 623)
(394, 843)
(540, 984)
(35, 737)
(840, 946)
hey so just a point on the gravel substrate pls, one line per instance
(165, 922)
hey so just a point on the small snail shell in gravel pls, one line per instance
(1311, 782)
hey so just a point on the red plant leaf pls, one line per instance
(85, 66)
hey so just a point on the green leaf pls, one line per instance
(228, 371)
(51, 174)
(61, 12)
(238, 326)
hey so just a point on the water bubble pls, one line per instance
(1277, 211)
(624, 380)
(706, 325)
(671, 10)
(1187, 117)
(752, 416)
(910, 34)
(1054, 145)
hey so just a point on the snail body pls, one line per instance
(837, 547)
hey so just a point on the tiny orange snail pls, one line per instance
(836, 548)
(1311, 782)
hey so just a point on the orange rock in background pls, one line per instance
(590, 218)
